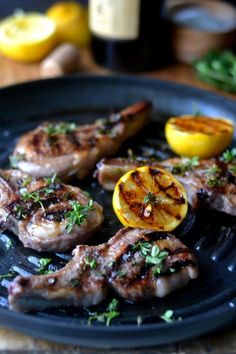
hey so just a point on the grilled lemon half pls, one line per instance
(150, 198)
(200, 136)
(27, 37)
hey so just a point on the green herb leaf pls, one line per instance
(78, 214)
(92, 263)
(52, 180)
(214, 177)
(186, 164)
(149, 198)
(26, 181)
(10, 274)
(60, 128)
(111, 313)
(44, 263)
(35, 196)
(229, 155)
(168, 316)
(19, 211)
(217, 68)
(153, 255)
(75, 283)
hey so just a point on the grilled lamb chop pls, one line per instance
(38, 212)
(209, 184)
(67, 149)
(137, 264)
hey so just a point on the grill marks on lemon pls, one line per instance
(202, 124)
(200, 136)
(150, 198)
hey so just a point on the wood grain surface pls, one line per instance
(223, 341)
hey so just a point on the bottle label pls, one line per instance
(115, 19)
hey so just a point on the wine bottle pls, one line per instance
(128, 35)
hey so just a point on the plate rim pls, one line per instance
(14, 320)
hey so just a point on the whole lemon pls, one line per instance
(71, 21)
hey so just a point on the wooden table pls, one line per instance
(223, 341)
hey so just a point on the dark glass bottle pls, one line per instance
(128, 35)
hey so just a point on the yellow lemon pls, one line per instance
(27, 37)
(71, 21)
(150, 198)
(200, 136)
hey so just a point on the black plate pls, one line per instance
(206, 303)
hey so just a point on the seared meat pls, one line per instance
(37, 211)
(136, 263)
(109, 171)
(67, 149)
(209, 184)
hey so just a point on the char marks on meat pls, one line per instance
(124, 264)
(67, 149)
(36, 211)
(209, 184)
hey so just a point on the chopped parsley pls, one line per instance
(26, 181)
(90, 262)
(229, 155)
(111, 313)
(60, 128)
(78, 214)
(43, 266)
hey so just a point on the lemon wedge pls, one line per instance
(200, 136)
(71, 21)
(150, 198)
(27, 37)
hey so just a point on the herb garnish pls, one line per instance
(60, 128)
(90, 262)
(78, 214)
(150, 198)
(75, 283)
(213, 176)
(217, 68)
(168, 316)
(44, 263)
(52, 180)
(121, 274)
(153, 255)
(229, 155)
(185, 165)
(111, 313)
(26, 181)
(10, 274)
(35, 196)
(20, 211)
